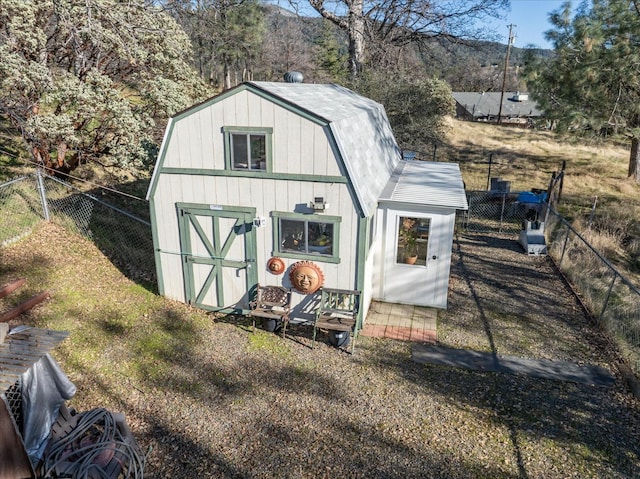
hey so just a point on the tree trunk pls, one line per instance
(227, 76)
(634, 160)
(355, 33)
(62, 152)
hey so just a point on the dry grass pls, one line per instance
(595, 173)
(528, 157)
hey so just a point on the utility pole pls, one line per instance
(506, 66)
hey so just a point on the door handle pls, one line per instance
(434, 257)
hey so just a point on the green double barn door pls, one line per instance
(218, 247)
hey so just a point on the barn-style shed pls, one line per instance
(268, 178)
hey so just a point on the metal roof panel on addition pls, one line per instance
(426, 183)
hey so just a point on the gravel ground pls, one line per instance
(242, 404)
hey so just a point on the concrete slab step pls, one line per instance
(541, 368)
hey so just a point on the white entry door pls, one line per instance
(417, 256)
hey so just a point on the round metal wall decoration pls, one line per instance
(306, 277)
(275, 265)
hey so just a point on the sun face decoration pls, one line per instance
(306, 277)
(275, 265)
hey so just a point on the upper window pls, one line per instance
(247, 148)
(306, 236)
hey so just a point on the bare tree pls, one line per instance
(398, 22)
(286, 47)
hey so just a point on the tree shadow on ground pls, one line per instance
(595, 422)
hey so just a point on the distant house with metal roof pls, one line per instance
(298, 173)
(485, 106)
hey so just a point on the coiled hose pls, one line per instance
(89, 450)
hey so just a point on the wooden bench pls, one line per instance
(338, 312)
(271, 303)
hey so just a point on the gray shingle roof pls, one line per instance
(360, 128)
(481, 104)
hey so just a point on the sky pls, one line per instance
(530, 19)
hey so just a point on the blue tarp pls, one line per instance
(530, 197)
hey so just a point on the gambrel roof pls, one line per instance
(359, 127)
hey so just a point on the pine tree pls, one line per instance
(331, 58)
(592, 84)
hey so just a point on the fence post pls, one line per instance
(43, 195)
(593, 211)
(564, 166)
(504, 200)
(564, 246)
(468, 213)
(606, 299)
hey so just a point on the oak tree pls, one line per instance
(398, 22)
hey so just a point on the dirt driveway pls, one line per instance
(504, 301)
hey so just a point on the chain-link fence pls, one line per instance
(608, 295)
(501, 211)
(121, 236)
(21, 208)
(494, 212)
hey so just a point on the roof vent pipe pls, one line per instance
(293, 77)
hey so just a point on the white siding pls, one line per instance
(300, 146)
(266, 195)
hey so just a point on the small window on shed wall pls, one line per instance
(313, 237)
(413, 240)
(247, 148)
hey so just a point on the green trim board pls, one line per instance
(157, 254)
(337, 153)
(215, 207)
(248, 129)
(255, 174)
(314, 218)
(364, 225)
(257, 91)
(160, 161)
